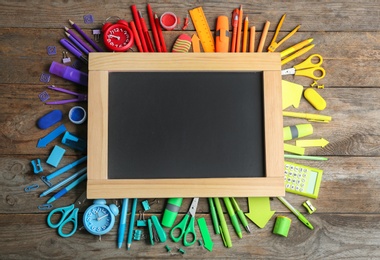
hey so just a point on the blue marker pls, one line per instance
(131, 223)
(123, 220)
(67, 189)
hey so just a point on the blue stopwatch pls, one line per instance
(99, 219)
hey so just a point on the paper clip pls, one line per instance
(31, 187)
(37, 167)
(45, 206)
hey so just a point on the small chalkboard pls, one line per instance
(159, 130)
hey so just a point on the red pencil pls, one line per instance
(136, 35)
(136, 18)
(158, 26)
(154, 29)
(235, 19)
(146, 33)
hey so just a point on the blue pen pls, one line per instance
(123, 220)
(67, 189)
(131, 223)
(63, 182)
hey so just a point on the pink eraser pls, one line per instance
(182, 44)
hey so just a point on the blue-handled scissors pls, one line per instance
(69, 214)
(307, 68)
(186, 227)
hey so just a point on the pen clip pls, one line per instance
(223, 238)
(319, 120)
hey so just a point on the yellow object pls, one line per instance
(297, 131)
(307, 68)
(291, 94)
(274, 45)
(294, 149)
(314, 99)
(203, 30)
(295, 47)
(310, 117)
(309, 207)
(195, 43)
(312, 143)
(259, 210)
(297, 54)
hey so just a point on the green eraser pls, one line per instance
(171, 211)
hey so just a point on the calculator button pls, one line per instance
(287, 186)
(292, 187)
(296, 168)
(286, 172)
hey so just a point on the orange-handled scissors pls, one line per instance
(307, 68)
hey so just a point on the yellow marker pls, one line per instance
(195, 43)
(310, 117)
(312, 143)
(297, 54)
(295, 47)
(297, 131)
(294, 149)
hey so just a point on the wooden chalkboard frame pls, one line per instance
(101, 64)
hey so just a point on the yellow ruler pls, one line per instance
(202, 28)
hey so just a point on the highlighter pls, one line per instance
(222, 38)
(69, 73)
(171, 211)
(297, 131)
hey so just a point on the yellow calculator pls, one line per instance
(302, 180)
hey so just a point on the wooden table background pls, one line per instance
(347, 221)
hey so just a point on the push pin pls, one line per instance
(65, 59)
(321, 86)
(37, 167)
(168, 249)
(314, 84)
(181, 251)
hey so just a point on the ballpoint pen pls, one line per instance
(76, 43)
(241, 215)
(295, 47)
(310, 117)
(68, 188)
(214, 217)
(296, 212)
(233, 217)
(223, 225)
(297, 54)
(137, 20)
(123, 220)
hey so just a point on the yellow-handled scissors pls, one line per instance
(308, 68)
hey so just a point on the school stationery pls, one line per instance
(309, 117)
(233, 217)
(203, 30)
(294, 149)
(182, 44)
(99, 218)
(77, 115)
(78, 39)
(214, 217)
(69, 214)
(69, 73)
(302, 180)
(171, 211)
(71, 48)
(50, 119)
(305, 157)
(185, 227)
(297, 54)
(240, 26)
(263, 37)
(195, 43)
(37, 166)
(235, 20)
(309, 207)
(296, 212)
(85, 36)
(307, 68)
(55, 156)
(245, 35)
(122, 224)
(79, 97)
(159, 31)
(259, 210)
(131, 224)
(154, 28)
(312, 143)
(146, 33)
(74, 142)
(136, 36)
(77, 43)
(208, 244)
(117, 36)
(252, 33)
(42, 142)
(282, 226)
(158, 229)
(240, 213)
(297, 131)
(223, 224)
(68, 188)
(222, 35)
(315, 99)
(295, 47)
(274, 45)
(169, 21)
(291, 94)
(137, 20)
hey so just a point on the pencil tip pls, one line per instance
(71, 22)
(66, 28)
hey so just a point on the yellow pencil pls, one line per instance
(245, 35)
(252, 39)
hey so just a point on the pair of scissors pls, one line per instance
(185, 228)
(307, 68)
(69, 214)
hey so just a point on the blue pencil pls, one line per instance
(67, 189)
(131, 223)
(123, 220)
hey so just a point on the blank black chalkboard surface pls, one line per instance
(184, 125)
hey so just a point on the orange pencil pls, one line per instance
(240, 25)
(235, 19)
(263, 37)
(252, 39)
(245, 34)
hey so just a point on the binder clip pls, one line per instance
(137, 234)
(145, 205)
(141, 222)
(37, 167)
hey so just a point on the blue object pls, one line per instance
(131, 223)
(99, 219)
(37, 167)
(141, 223)
(49, 119)
(51, 136)
(137, 234)
(45, 206)
(123, 220)
(68, 188)
(31, 187)
(45, 77)
(74, 142)
(51, 50)
(55, 156)
(77, 115)
(145, 205)
(43, 96)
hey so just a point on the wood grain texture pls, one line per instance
(346, 34)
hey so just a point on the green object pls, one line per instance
(296, 212)
(160, 231)
(302, 180)
(309, 207)
(259, 211)
(171, 211)
(282, 226)
(208, 244)
(150, 229)
(305, 157)
(233, 217)
(241, 215)
(181, 251)
(297, 131)
(168, 248)
(214, 217)
(223, 225)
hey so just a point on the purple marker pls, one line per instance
(85, 36)
(76, 37)
(69, 73)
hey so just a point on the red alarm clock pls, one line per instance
(117, 36)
